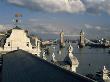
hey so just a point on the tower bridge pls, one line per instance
(82, 40)
(85, 39)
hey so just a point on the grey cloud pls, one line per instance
(97, 6)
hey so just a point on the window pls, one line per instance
(33, 47)
(8, 43)
(27, 44)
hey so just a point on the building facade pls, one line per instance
(18, 38)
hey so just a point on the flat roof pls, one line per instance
(20, 66)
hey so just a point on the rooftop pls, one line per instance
(20, 66)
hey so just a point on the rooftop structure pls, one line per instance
(72, 59)
(18, 38)
(20, 66)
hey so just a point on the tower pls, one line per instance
(62, 42)
(82, 39)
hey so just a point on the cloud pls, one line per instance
(88, 26)
(96, 31)
(98, 27)
(52, 27)
(97, 6)
(70, 6)
(1, 28)
(5, 27)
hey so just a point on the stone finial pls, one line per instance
(44, 56)
(53, 57)
(105, 74)
(70, 50)
(73, 59)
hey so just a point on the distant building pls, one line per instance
(18, 38)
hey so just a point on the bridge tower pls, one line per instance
(62, 42)
(82, 39)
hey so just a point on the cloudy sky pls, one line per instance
(51, 16)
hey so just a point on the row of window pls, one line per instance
(27, 44)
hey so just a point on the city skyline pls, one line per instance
(92, 16)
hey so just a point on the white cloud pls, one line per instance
(5, 27)
(98, 27)
(51, 27)
(2, 28)
(70, 6)
(88, 26)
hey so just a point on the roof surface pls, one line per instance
(20, 66)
